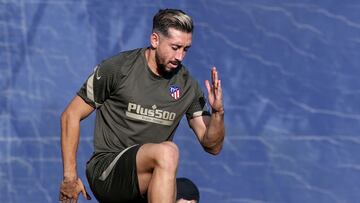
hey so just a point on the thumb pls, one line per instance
(83, 191)
(85, 194)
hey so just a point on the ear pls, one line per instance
(154, 40)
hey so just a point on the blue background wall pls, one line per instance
(290, 73)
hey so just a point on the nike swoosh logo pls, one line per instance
(97, 73)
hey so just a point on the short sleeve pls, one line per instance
(98, 87)
(199, 105)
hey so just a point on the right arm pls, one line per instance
(76, 111)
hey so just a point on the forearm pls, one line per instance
(70, 132)
(214, 135)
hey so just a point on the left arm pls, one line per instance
(210, 130)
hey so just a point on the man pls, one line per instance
(140, 97)
(186, 191)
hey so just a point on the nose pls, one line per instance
(180, 54)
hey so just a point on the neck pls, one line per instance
(151, 61)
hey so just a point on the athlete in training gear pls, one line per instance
(150, 108)
(140, 97)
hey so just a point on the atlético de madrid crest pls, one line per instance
(174, 92)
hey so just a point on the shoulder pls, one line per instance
(119, 65)
(122, 59)
(186, 76)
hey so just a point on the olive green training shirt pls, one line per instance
(135, 106)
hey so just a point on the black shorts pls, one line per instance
(113, 179)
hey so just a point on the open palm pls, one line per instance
(214, 91)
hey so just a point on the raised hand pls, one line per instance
(214, 92)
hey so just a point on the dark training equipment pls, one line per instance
(186, 189)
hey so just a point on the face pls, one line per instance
(186, 201)
(170, 50)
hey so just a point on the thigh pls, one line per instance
(121, 184)
(148, 158)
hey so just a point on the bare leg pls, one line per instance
(156, 167)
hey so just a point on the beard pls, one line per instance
(163, 69)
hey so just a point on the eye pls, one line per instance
(175, 48)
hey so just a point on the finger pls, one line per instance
(216, 85)
(219, 91)
(88, 197)
(217, 80)
(216, 77)
(207, 85)
(73, 200)
(83, 190)
(213, 70)
(85, 194)
(62, 197)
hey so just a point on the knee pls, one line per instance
(168, 156)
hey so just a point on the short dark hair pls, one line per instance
(172, 18)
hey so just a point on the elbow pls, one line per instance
(68, 116)
(65, 116)
(214, 150)
(69, 121)
(214, 147)
(64, 122)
